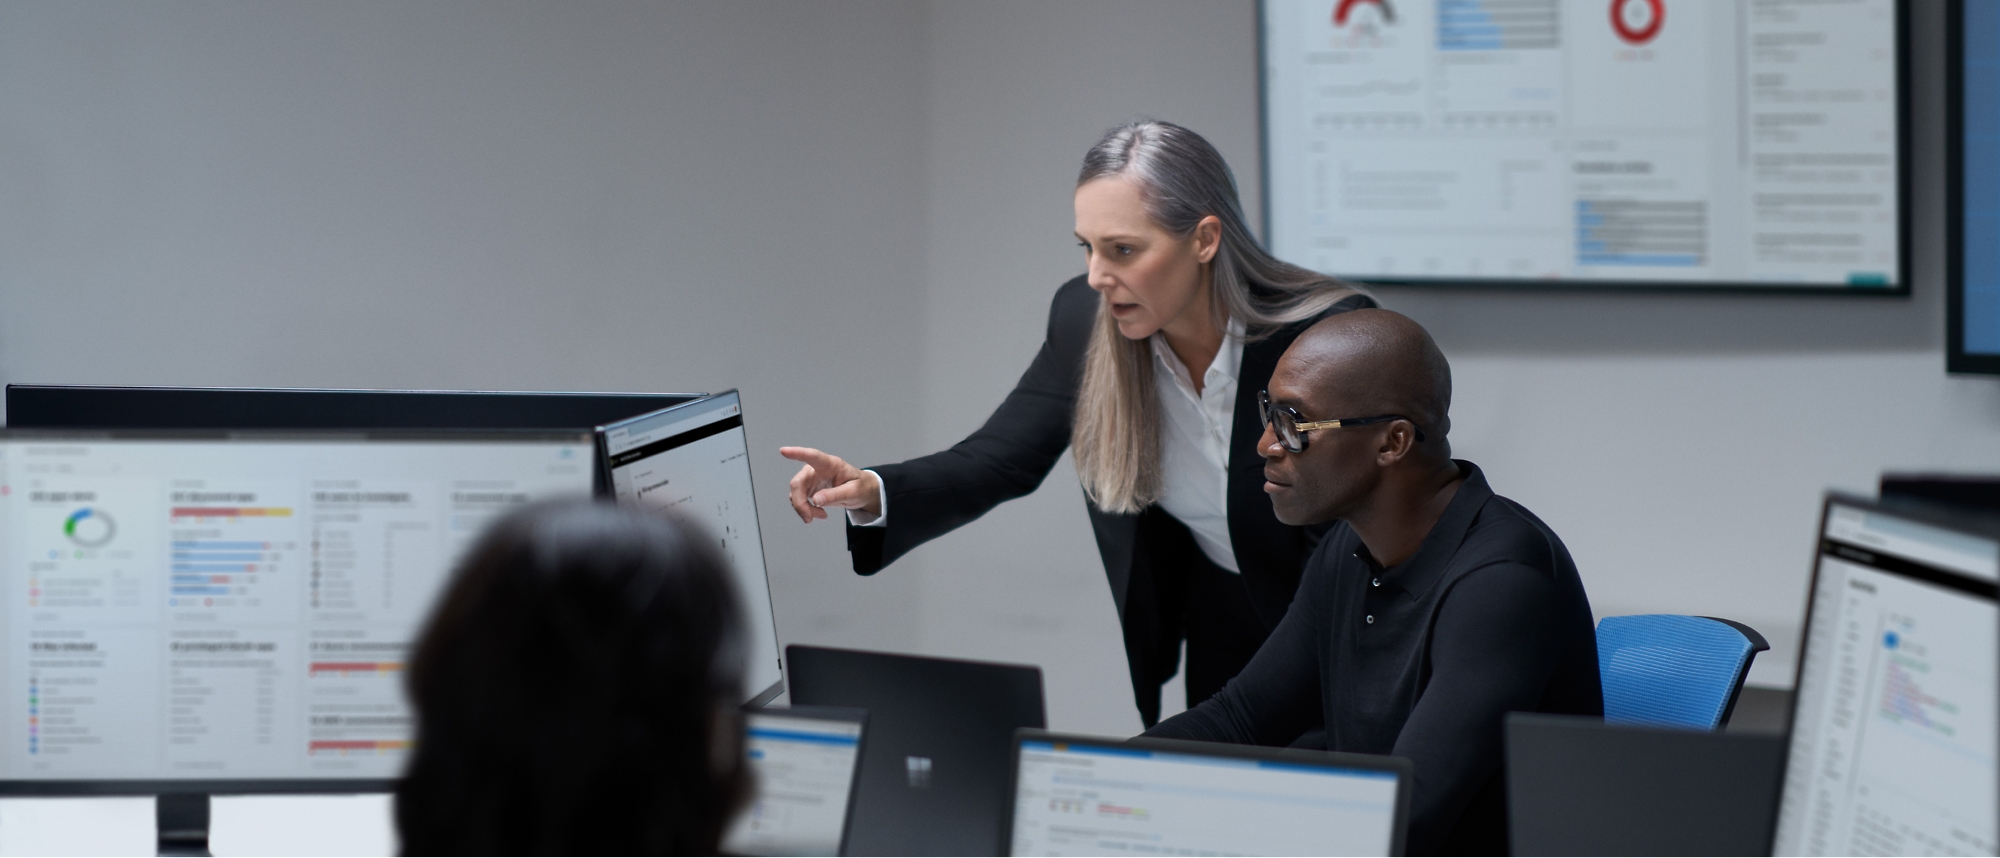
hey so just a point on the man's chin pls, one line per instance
(1295, 514)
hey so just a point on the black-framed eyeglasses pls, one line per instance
(1291, 427)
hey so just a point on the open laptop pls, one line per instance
(1896, 717)
(805, 760)
(934, 773)
(694, 459)
(1083, 795)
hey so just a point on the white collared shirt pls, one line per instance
(1194, 445)
(1195, 431)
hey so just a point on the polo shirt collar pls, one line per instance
(1418, 574)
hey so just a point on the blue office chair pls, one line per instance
(1673, 670)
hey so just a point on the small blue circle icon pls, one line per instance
(1889, 639)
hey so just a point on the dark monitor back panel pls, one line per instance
(55, 406)
(1980, 492)
(1579, 786)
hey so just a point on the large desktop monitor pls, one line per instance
(1894, 724)
(1079, 795)
(695, 460)
(61, 406)
(231, 613)
(1606, 143)
(1972, 140)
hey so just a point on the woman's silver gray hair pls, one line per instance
(1182, 180)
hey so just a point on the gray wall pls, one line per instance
(600, 196)
(856, 212)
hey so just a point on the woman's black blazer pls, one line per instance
(1146, 554)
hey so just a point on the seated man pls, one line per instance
(1433, 608)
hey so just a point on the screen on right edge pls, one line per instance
(1893, 737)
(1979, 206)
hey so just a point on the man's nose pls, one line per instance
(1267, 444)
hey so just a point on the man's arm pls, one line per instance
(1276, 697)
(1494, 647)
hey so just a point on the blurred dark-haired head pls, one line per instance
(576, 692)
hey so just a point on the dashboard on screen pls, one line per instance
(1677, 143)
(235, 608)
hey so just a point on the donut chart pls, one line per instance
(90, 527)
(1637, 21)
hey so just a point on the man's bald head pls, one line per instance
(1376, 362)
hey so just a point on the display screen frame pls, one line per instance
(1901, 289)
(1957, 359)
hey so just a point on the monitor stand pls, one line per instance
(183, 823)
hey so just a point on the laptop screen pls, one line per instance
(1083, 798)
(805, 779)
(1894, 730)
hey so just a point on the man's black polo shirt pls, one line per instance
(1423, 660)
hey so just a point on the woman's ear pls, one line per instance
(1207, 238)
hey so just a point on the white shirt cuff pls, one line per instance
(882, 500)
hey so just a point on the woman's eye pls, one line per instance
(1124, 250)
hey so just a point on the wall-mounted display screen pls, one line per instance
(1974, 137)
(1678, 143)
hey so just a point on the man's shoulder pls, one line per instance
(1504, 531)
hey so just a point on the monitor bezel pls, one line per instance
(346, 404)
(18, 787)
(1904, 262)
(1957, 359)
(1945, 517)
(828, 713)
(1401, 767)
(601, 438)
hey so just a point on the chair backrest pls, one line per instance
(1673, 670)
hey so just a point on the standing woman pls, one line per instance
(1151, 369)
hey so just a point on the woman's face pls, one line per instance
(1150, 278)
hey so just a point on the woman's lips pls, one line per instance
(1124, 309)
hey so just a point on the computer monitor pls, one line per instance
(1081, 795)
(805, 760)
(1662, 144)
(207, 613)
(694, 459)
(60, 406)
(1972, 491)
(1972, 194)
(1894, 722)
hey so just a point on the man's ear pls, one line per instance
(1398, 442)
